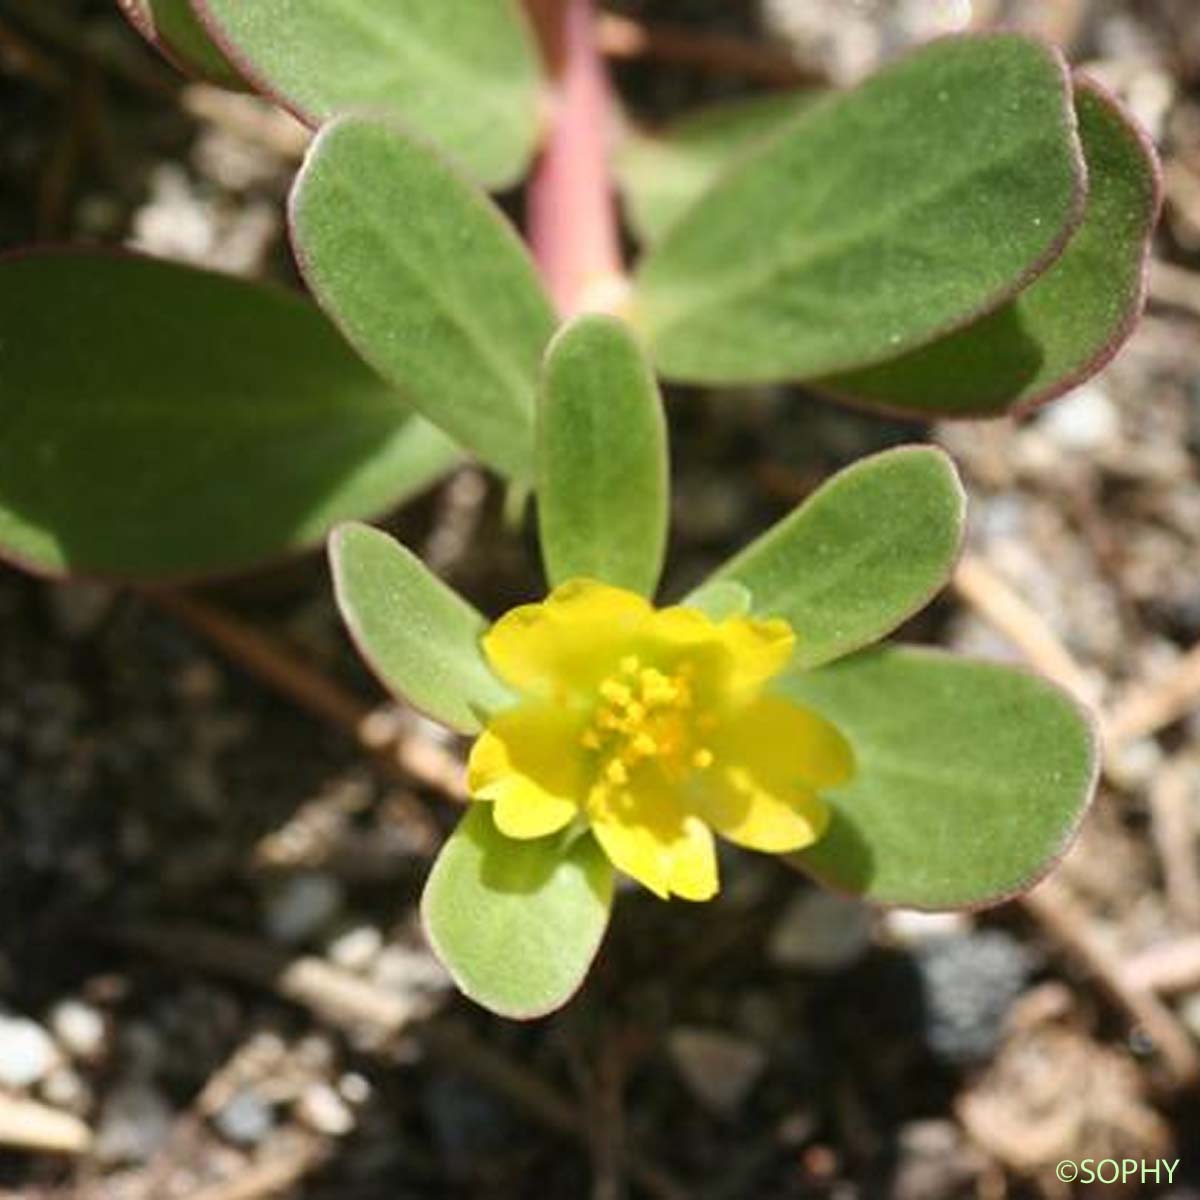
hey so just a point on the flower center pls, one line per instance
(645, 715)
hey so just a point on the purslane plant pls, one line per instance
(964, 234)
(613, 734)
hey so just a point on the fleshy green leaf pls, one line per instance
(157, 421)
(461, 72)
(420, 637)
(861, 555)
(971, 777)
(662, 175)
(881, 219)
(1070, 322)
(516, 923)
(429, 283)
(173, 29)
(721, 598)
(602, 459)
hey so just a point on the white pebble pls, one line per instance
(913, 927)
(27, 1052)
(356, 948)
(323, 1110)
(80, 1029)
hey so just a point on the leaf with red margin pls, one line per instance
(1070, 322)
(517, 923)
(971, 778)
(160, 422)
(463, 73)
(878, 221)
(173, 30)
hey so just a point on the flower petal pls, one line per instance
(646, 833)
(570, 641)
(769, 761)
(530, 764)
(759, 650)
(784, 744)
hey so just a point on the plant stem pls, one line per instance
(572, 205)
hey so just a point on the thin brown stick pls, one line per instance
(1062, 917)
(1174, 286)
(1150, 707)
(1172, 797)
(1170, 967)
(998, 604)
(273, 664)
(623, 38)
(28, 1125)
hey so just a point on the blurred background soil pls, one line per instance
(212, 980)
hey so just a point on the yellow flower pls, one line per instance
(654, 727)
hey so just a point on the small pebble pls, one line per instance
(27, 1052)
(356, 948)
(246, 1120)
(912, 927)
(819, 931)
(323, 1110)
(65, 1088)
(134, 1122)
(299, 908)
(970, 981)
(719, 1069)
(80, 1029)
(1086, 420)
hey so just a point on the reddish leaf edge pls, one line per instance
(304, 264)
(1091, 724)
(922, 602)
(1138, 136)
(177, 579)
(249, 68)
(1038, 267)
(134, 11)
(523, 1015)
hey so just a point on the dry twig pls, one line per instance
(1153, 706)
(1060, 914)
(279, 668)
(998, 604)
(28, 1125)
(1172, 796)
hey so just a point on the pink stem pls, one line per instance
(572, 206)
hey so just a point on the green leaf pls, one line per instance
(157, 421)
(461, 72)
(173, 29)
(881, 219)
(662, 175)
(861, 555)
(420, 637)
(516, 923)
(429, 283)
(1070, 322)
(602, 459)
(971, 778)
(721, 598)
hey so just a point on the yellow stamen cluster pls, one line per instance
(645, 714)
